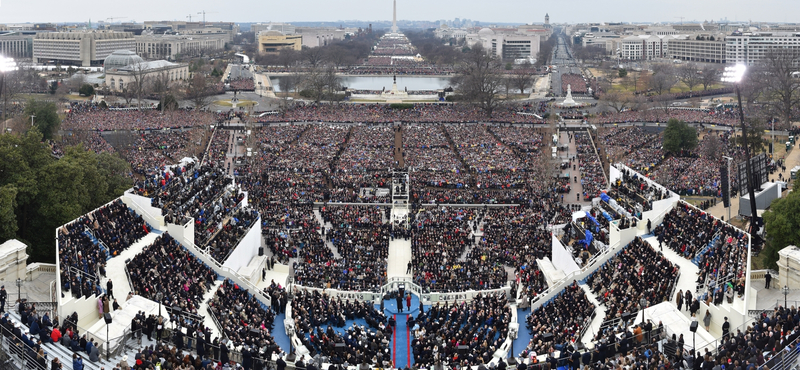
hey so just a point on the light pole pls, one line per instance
(785, 295)
(6, 65)
(19, 290)
(32, 117)
(735, 74)
(729, 159)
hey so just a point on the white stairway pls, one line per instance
(203, 311)
(600, 316)
(115, 267)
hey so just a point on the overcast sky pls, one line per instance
(486, 11)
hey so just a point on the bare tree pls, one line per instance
(288, 57)
(713, 147)
(10, 86)
(479, 79)
(316, 82)
(158, 85)
(689, 76)
(199, 89)
(616, 101)
(140, 81)
(709, 76)
(781, 88)
(313, 56)
(522, 78)
(663, 79)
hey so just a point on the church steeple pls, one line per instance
(546, 18)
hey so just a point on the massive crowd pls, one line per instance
(85, 244)
(244, 320)
(382, 113)
(592, 174)
(316, 316)
(481, 325)
(558, 323)
(637, 274)
(167, 268)
(98, 119)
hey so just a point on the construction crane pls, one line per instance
(113, 18)
(204, 16)
(190, 17)
(681, 19)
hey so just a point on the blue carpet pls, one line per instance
(524, 336)
(390, 307)
(280, 333)
(401, 342)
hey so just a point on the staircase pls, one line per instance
(65, 354)
(600, 315)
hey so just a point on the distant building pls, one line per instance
(88, 48)
(698, 48)
(229, 29)
(506, 43)
(751, 47)
(284, 28)
(315, 37)
(16, 45)
(645, 47)
(170, 47)
(122, 66)
(272, 42)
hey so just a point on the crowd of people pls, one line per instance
(481, 325)
(636, 278)
(574, 81)
(592, 174)
(81, 254)
(558, 323)
(166, 270)
(94, 118)
(319, 319)
(384, 113)
(243, 319)
(711, 117)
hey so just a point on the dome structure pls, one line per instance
(121, 58)
(485, 32)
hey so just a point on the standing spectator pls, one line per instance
(4, 296)
(110, 288)
(767, 278)
(707, 319)
(399, 301)
(679, 299)
(726, 327)
(408, 302)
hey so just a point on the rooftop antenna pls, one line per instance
(681, 19)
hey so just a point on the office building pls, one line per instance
(172, 47)
(751, 47)
(704, 48)
(88, 48)
(272, 42)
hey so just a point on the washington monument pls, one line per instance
(394, 17)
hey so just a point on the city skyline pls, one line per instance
(501, 11)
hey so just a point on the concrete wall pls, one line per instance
(246, 249)
(142, 206)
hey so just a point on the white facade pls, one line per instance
(751, 48)
(80, 48)
(13, 260)
(118, 79)
(645, 47)
(171, 46)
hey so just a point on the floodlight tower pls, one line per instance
(734, 74)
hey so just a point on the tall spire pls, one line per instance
(394, 16)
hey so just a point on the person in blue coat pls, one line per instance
(77, 362)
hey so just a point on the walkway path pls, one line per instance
(599, 317)
(576, 189)
(208, 322)
(115, 267)
(399, 258)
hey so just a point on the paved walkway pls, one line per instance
(792, 160)
(576, 189)
(115, 268)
